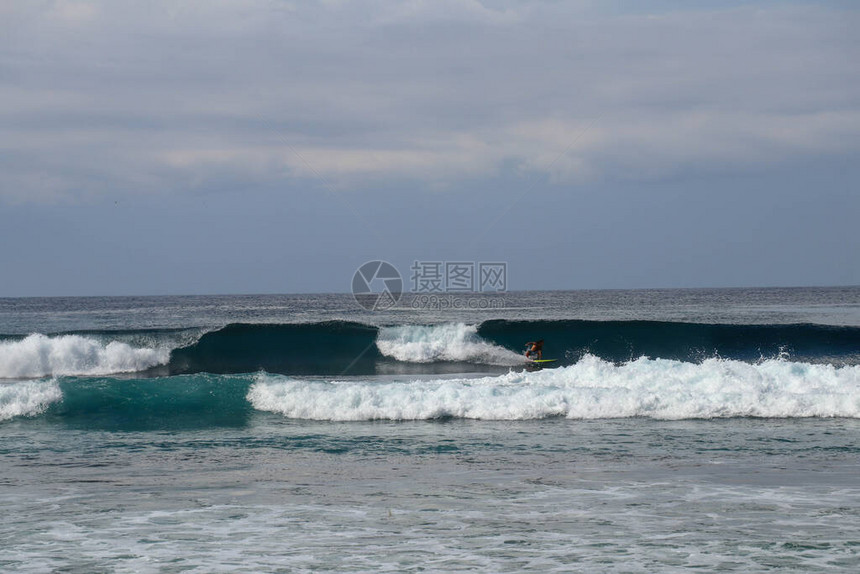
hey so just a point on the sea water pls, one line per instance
(705, 429)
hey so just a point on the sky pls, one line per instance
(263, 146)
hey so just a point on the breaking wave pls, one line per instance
(447, 342)
(39, 355)
(591, 389)
(335, 348)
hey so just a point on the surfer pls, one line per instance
(534, 348)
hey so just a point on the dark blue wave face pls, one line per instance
(620, 341)
(329, 347)
(337, 347)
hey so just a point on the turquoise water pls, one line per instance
(444, 452)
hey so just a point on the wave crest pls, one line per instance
(40, 356)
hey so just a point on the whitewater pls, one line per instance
(40, 355)
(591, 389)
(446, 342)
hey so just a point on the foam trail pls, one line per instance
(39, 356)
(27, 398)
(590, 389)
(447, 342)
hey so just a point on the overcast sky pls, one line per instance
(258, 146)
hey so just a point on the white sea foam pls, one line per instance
(39, 356)
(590, 389)
(27, 398)
(447, 342)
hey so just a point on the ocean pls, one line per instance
(712, 429)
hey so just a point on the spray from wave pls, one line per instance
(40, 356)
(448, 342)
(591, 389)
(27, 398)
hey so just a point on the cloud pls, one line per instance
(159, 97)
